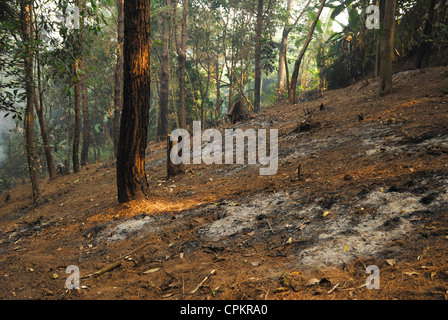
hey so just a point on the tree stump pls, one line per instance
(172, 169)
(236, 113)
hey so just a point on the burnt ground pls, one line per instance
(372, 190)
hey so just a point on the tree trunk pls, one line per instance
(95, 145)
(77, 85)
(118, 89)
(378, 40)
(295, 74)
(218, 91)
(258, 31)
(282, 63)
(68, 125)
(163, 127)
(26, 9)
(425, 45)
(77, 128)
(39, 110)
(131, 174)
(283, 50)
(85, 115)
(84, 93)
(182, 58)
(387, 48)
(171, 168)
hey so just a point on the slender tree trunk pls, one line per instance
(84, 93)
(425, 45)
(387, 48)
(282, 63)
(39, 110)
(295, 74)
(218, 90)
(77, 128)
(380, 3)
(26, 8)
(283, 50)
(163, 127)
(182, 58)
(77, 86)
(118, 89)
(131, 174)
(258, 31)
(10, 154)
(68, 125)
(85, 115)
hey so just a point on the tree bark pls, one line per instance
(118, 89)
(283, 50)
(425, 45)
(282, 63)
(182, 58)
(85, 115)
(387, 48)
(39, 110)
(26, 9)
(295, 74)
(84, 92)
(77, 85)
(131, 174)
(378, 40)
(171, 168)
(258, 31)
(68, 125)
(218, 90)
(163, 127)
(77, 127)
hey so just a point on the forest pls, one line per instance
(204, 57)
(92, 93)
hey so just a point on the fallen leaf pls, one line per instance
(312, 282)
(326, 213)
(346, 248)
(411, 273)
(151, 270)
(390, 262)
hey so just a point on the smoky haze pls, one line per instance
(5, 125)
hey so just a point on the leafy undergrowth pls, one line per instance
(372, 190)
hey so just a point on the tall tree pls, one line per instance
(26, 24)
(131, 174)
(84, 92)
(77, 86)
(284, 43)
(425, 45)
(85, 114)
(163, 128)
(181, 47)
(118, 86)
(295, 74)
(387, 48)
(39, 105)
(258, 31)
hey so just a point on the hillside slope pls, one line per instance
(373, 190)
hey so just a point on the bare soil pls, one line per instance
(372, 190)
